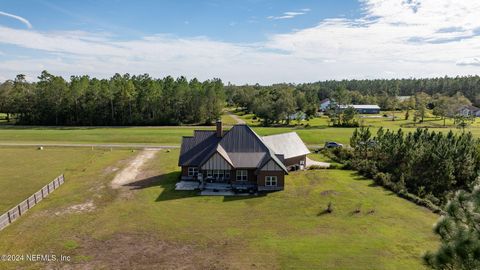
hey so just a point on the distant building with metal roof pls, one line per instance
(363, 109)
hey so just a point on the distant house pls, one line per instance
(468, 110)
(324, 104)
(403, 98)
(239, 159)
(363, 109)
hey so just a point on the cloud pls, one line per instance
(21, 19)
(391, 39)
(475, 61)
(289, 14)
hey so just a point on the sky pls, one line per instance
(249, 41)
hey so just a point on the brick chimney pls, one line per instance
(219, 129)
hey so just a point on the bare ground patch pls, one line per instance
(133, 170)
(86, 207)
(140, 251)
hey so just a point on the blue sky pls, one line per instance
(248, 41)
(235, 21)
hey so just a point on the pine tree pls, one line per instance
(459, 231)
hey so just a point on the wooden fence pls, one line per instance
(17, 211)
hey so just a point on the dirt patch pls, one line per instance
(110, 169)
(328, 192)
(236, 118)
(138, 251)
(86, 207)
(132, 171)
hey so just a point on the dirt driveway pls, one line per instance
(130, 173)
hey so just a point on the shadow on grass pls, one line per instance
(167, 183)
(323, 212)
(246, 197)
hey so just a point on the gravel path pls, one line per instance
(311, 162)
(236, 118)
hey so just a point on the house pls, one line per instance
(363, 109)
(403, 98)
(324, 104)
(239, 159)
(468, 110)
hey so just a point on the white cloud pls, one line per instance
(21, 19)
(392, 39)
(289, 14)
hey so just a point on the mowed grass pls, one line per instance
(283, 230)
(24, 171)
(314, 132)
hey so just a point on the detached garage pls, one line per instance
(291, 146)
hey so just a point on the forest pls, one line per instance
(143, 100)
(403, 162)
(281, 103)
(120, 100)
(469, 86)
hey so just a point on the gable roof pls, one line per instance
(288, 144)
(325, 100)
(240, 146)
(470, 108)
(374, 107)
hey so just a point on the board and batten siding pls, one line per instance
(271, 166)
(216, 162)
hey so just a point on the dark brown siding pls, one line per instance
(295, 161)
(184, 171)
(280, 177)
(251, 176)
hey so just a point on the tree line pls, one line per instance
(430, 165)
(365, 90)
(280, 103)
(120, 100)
(277, 104)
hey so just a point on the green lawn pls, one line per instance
(24, 171)
(314, 132)
(155, 226)
(228, 120)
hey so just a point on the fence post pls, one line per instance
(42, 193)
(9, 218)
(48, 189)
(19, 210)
(35, 197)
(28, 203)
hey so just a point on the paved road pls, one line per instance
(236, 118)
(137, 146)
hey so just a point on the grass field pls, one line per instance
(153, 225)
(316, 133)
(26, 170)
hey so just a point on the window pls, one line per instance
(270, 181)
(242, 175)
(192, 171)
(217, 174)
(227, 174)
(302, 162)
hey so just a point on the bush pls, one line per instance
(317, 167)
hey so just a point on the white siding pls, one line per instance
(216, 162)
(271, 166)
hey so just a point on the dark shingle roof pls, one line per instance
(240, 146)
